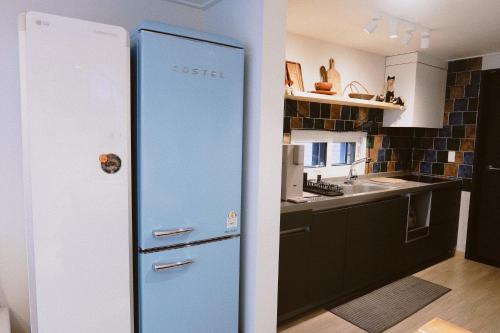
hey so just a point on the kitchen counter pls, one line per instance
(386, 191)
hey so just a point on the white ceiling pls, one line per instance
(460, 28)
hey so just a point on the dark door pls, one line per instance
(483, 241)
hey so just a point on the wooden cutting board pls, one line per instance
(323, 92)
(333, 76)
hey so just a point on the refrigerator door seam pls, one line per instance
(181, 245)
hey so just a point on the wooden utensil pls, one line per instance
(326, 86)
(334, 77)
(323, 92)
(294, 74)
(324, 75)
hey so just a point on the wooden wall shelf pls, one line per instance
(341, 100)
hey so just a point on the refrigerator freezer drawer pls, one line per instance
(189, 139)
(191, 289)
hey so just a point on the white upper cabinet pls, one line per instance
(421, 83)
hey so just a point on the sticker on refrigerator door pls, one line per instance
(231, 220)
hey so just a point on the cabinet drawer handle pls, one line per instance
(172, 232)
(166, 267)
(295, 231)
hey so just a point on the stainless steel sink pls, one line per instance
(359, 188)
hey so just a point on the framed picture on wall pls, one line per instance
(294, 74)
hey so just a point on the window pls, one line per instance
(315, 154)
(330, 154)
(343, 153)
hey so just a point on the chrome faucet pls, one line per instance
(351, 177)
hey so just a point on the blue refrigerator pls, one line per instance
(188, 158)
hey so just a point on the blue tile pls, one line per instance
(388, 154)
(460, 104)
(455, 118)
(345, 114)
(469, 158)
(440, 143)
(315, 110)
(386, 141)
(325, 111)
(349, 125)
(453, 144)
(430, 156)
(445, 132)
(339, 125)
(475, 77)
(438, 169)
(425, 167)
(473, 104)
(465, 171)
(381, 155)
(457, 65)
(290, 108)
(470, 118)
(472, 91)
(354, 113)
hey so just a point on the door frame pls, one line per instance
(472, 227)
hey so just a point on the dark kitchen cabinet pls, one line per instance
(441, 240)
(312, 251)
(294, 262)
(335, 255)
(375, 240)
(328, 235)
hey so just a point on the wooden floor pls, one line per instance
(473, 303)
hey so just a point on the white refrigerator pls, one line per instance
(75, 101)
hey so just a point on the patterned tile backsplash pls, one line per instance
(388, 148)
(459, 130)
(423, 150)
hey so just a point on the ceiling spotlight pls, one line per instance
(425, 39)
(372, 25)
(405, 39)
(393, 28)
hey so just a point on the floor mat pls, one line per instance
(385, 307)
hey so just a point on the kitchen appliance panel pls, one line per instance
(189, 131)
(200, 295)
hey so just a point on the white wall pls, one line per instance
(127, 13)
(260, 25)
(353, 65)
(491, 61)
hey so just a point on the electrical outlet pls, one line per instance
(451, 156)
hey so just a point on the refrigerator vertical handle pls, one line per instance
(172, 232)
(166, 267)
